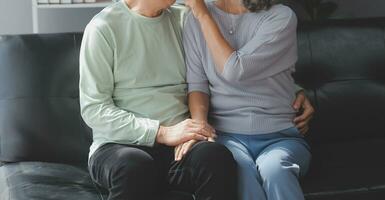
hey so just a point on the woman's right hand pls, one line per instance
(184, 131)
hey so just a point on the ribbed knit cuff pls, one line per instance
(151, 133)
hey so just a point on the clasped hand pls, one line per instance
(184, 135)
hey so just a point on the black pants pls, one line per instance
(208, 171)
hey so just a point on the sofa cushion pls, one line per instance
(332, 50)
(349, 110)
(50, 181)
(341, 168)
(343, 63)
(39, 107)
(37, 181)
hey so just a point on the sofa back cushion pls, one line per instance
(342, 64)
(39, 109)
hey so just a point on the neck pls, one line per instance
(232, 6)
(143, 8)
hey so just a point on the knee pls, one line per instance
(213, 154)
(131, 164)
(274, 172)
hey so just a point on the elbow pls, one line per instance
(233, 69)
(89, 113)
(85, 114)
(232, 73)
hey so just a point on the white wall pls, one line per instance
(65, 20)
(16, 15)
(16, 18)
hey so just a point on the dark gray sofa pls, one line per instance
(44, 142)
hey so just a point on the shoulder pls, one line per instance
(103, 23)
(110, 15)
(281, 14)
(281, 10)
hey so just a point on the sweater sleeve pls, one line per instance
(95, 92)
(272, 49)
(196, 77)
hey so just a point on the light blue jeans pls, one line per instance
(269, 165)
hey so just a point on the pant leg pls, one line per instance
(128, 172)
(208, 171)
(249, 185)
(280, 165)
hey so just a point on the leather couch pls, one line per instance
(342, 67)
(44, 142)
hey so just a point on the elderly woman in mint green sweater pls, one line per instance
(133, 96)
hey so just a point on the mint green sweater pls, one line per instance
(132, 75)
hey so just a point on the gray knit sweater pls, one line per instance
(255, 92)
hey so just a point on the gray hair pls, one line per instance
(255, 5)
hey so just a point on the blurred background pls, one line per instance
(26, 16)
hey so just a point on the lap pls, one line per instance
(203, 154)
(240, 152)
(274, 151)
(112, 161)
(122, 154)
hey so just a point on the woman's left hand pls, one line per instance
(198, 7)
(302, 121)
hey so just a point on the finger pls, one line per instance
(304, 130)
(210, 139)
(202, 131)
(202, 128)
(176, 152)
(299, 101)
(307, 105)
(301, 125)
(309, 110)
(306, 115)
(179, 155)
(187, 147)
(195, 136)
(210, 130)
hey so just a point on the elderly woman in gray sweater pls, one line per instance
(240, 55)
